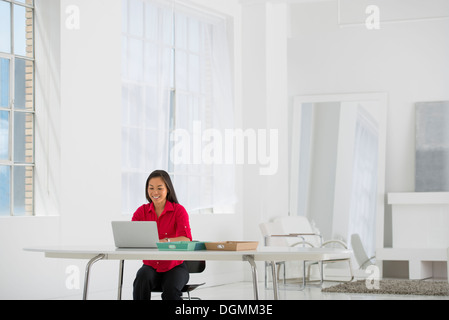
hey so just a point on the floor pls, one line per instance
(244, 291)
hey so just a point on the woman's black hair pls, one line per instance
(171, 194)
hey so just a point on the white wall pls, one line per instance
(408, 60)
(265, 106)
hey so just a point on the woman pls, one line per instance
(173, 225)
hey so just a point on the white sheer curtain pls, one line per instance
(364, 187)
(176, 77)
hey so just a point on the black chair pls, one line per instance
(193, 267)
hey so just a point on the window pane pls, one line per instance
(23, 137)
(151, 110)
(194, 73)
(194, 35)
(23, 85)
(5, 27)
(5, 191)
(23, 31)
(23, 191)
(181, 31)
(136, 103)
(4, 135)
(166, 27)
(151, 64)
(151, 21)
(135, 61)
(181, 70)
(136, 18)
(4, 82)
(19, 30)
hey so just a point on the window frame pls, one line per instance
(11, 163)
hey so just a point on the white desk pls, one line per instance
(266, 254)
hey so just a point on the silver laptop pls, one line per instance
(135, 234)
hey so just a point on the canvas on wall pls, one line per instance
(432, 147)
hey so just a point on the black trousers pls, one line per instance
(170, 282)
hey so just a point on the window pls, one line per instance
(16, 107)
(176, 84)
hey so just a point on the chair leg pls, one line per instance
(190, 298)
(321, 264)
(284, 273)
(266, 275)
(308, 271)
(275, 279)
(350, 270)
(278, 272)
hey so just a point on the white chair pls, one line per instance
(271, 228)
(274, 236)
(301, 227)
(360, 253)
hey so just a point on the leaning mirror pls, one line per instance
(337, 165)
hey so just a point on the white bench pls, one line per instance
(420, 260)
(420, 222)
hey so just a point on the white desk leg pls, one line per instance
(120, 279)
(251, 261)
(86, 276)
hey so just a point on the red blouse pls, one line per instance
(172, 223)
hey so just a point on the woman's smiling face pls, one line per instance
(157, 190)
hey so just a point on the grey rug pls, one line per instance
(397, 287)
